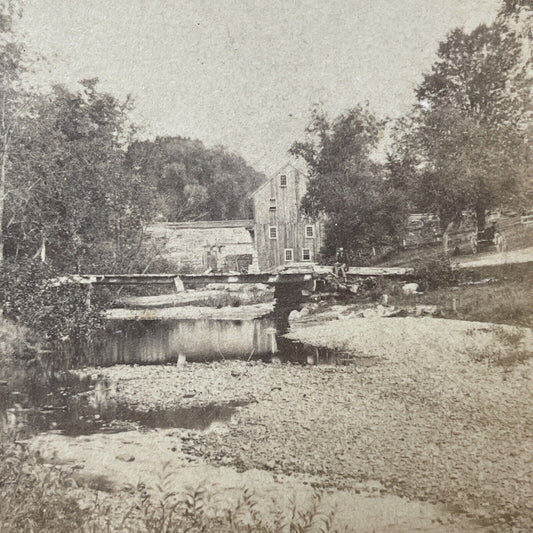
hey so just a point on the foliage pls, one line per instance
(163, 510)
(514, 7)
(193, 182)
(434, 272)
(362, 208)
(57, 312)
(69, 193)
(13, 93)
(463, 146)
(34, 497)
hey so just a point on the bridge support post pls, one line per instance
(88, 296)
(178, 284)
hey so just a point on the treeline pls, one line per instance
(78, 187)
(464, 146)
(192, 182)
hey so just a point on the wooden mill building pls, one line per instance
(282, 235)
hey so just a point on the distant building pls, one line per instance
(282, 235)
(205, 245)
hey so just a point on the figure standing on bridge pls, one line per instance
(212, 260)
(341, 263)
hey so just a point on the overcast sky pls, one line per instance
(245, 73)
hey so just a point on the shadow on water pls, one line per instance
(81, 406)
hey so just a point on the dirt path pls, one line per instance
(524, 255)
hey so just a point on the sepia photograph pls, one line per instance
(266, 266)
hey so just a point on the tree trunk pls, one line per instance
(480, 218)
(3, 164)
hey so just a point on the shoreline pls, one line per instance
(413, 422)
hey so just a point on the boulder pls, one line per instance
(410, 288)
(294, 315)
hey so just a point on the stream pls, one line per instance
(60, 400)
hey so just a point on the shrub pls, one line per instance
(197, 510)
(34, 497)
(434, 271)
(55, 311)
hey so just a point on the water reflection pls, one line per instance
(204, 340)
(81, 406)
(170, 341)
(41, 399)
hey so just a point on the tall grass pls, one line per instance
(197, 510)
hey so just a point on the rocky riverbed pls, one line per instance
(441, 412)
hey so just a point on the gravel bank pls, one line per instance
(427, 421)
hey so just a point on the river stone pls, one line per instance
(410, 288)
(126, 458)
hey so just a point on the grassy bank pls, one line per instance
(498, 294)
(505, 299)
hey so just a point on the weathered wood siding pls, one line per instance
(287, 218)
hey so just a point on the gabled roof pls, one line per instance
(275, 175)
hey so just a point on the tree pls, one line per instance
(361, 207)
(517, 16)
(464, 137)
(515, 8)
(193, 182)
(13, 95)
(73, 195)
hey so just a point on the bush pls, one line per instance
(34, 497)
(163, 510)
(31, 295)
(434, 271)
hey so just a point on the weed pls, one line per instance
(434, 271)
(508, 349)
(197, 510)
(34, 497)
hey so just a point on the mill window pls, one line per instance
(306, 254)
(288, 255)
(273, 232)
(283, 180)
(309, 232)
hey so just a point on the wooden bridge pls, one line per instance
(288, 276)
